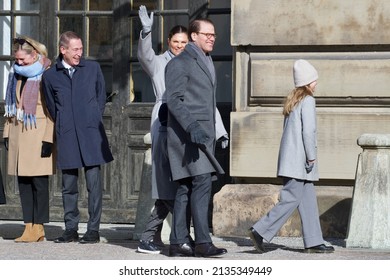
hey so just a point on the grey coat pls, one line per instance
(299, 142)
(190, 97)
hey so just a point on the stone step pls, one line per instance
(238, 206)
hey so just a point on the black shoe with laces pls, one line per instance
(148, 247)
(69, 235)
(91, 236)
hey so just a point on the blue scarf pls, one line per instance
(26, 109)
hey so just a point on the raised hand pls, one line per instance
(147, 22)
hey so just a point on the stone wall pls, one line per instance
(345, 41)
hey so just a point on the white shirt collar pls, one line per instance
(66, 65)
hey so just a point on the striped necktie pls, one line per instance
(71, 71)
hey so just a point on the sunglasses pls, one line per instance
(21, 42)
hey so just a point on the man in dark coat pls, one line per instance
(190, 88)
(75, 95)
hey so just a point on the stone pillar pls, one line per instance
(145, 201)
(369, 224)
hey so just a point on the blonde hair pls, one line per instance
(294, 97)
(29, 46)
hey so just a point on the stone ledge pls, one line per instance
(237, 207)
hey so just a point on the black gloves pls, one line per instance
(46, 149)
(163, 114)
(197, 134)
(6, 143)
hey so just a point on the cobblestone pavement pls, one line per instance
(116, 244)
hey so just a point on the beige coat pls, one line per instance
(25, 144)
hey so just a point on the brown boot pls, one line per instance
(39, 232)
(32, 233)
(26, 233)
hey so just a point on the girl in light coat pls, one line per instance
(297, 165)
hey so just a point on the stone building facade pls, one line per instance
(348, 43)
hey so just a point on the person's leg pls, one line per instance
(26, 198)
(150, 241)
(200, 198)
(95, 197)
(169, 204)
(179, 232)
(70, 195)
(41, 199)
(41, 205)
(308, 210)
(290, 197)
(155, 222)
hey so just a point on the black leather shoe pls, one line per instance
(181, 250)
(206, 250)
(320, 249)
(256, 239)
(91, 236)
(69, 235)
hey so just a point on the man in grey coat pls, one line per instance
(75, 97)
(190, 82)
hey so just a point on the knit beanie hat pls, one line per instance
(304, 73)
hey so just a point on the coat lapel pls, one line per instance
(199, 61)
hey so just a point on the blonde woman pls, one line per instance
(297, 165)
(28, 135)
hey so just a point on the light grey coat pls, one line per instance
(190, 97)
(299, 142)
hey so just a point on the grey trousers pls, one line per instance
(195, 191)
(154, 225)
(294, 194)
(70, 194)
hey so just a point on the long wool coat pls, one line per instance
(154, 65)
(77, 105)
(190, 97)
(299, 142)
(25, 143)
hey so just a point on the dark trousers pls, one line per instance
(70, 194)
(2, 192)
(154, 225)
(196, 191)
(159, 213)
(34, 197)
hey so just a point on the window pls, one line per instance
(16, 18)
(105, 37)
(166, 15)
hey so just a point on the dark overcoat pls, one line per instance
(77, 105)
(190, 97)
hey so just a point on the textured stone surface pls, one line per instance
(315, 22)
(370, 216)
(238, 207)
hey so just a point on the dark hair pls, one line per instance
(194, 26)
(66, 37)
(177, 29)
